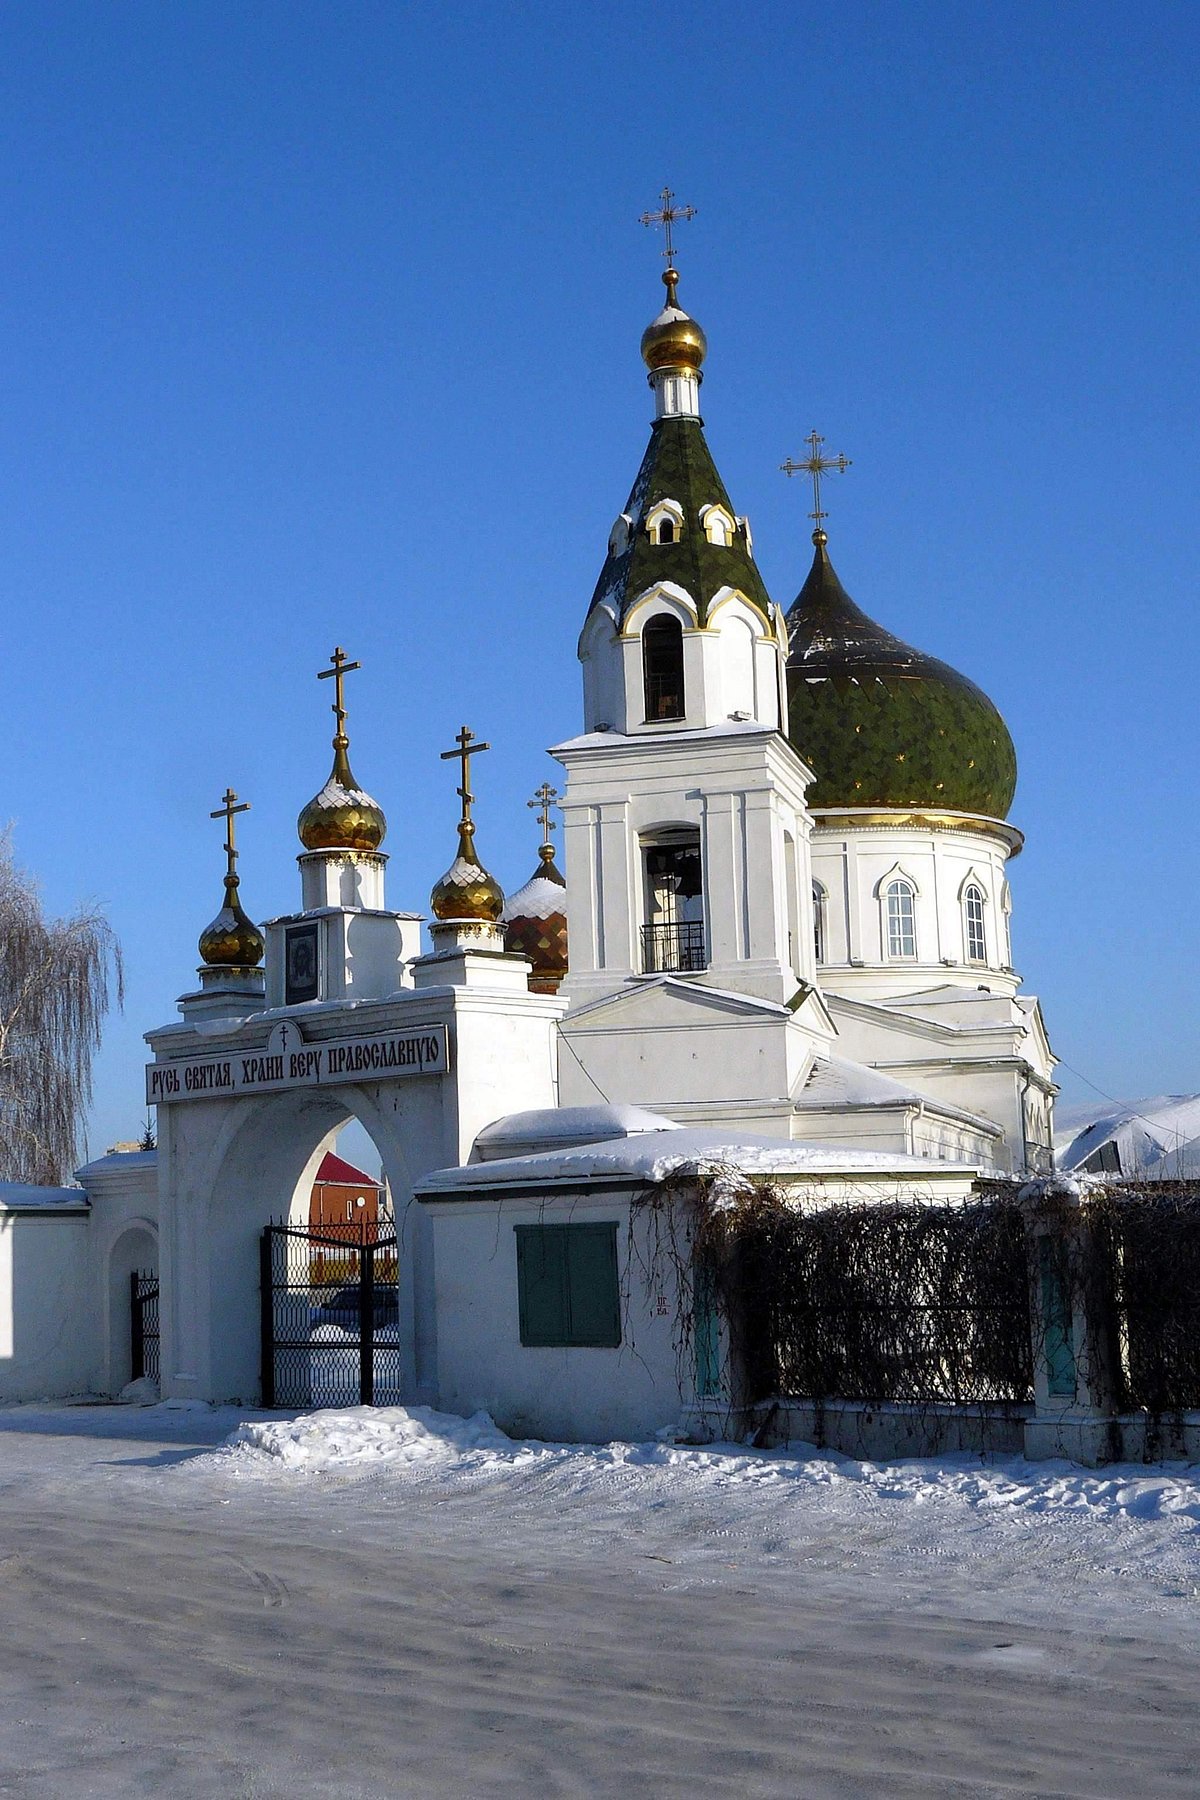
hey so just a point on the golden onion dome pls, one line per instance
(466, 890)
(341, 816)
(232, 940)
(673, 340)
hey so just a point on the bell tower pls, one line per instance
(686, 833)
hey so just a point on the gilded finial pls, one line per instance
(673, 340)
(466, 890)
(342, 816)
(232, 940)
(815, 465)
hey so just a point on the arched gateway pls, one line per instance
(345, 1020)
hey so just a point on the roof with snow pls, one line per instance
(1156, 1139)
(24, 1196)
(835, 1082)
(653, 1156)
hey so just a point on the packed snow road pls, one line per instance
(398, 1604)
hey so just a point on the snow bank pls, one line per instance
(449, 1448)
(370, 1437)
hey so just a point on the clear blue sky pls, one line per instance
(320, 323)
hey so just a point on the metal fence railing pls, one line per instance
(667, 949)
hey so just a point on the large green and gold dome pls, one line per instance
(881, 724)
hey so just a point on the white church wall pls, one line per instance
(742, 789)
(567, 1394)
(123, 1191)
(48, 1331)
(855, 866)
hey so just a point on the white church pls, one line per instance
(779, 943)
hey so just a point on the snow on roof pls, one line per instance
(15, 1195)
(562, 1128)
(834, 1081)
(650, 1156)
(117, 1159)
(538, 899)
(1157, 1138)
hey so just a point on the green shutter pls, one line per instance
(1057, 1347)
(542, 1284)
(567, 1287)
(593, 1291)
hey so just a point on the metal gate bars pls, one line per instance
(330, 1315)
(143, 1324)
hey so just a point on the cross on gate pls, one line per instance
(468, 747)
(226, 811)
(816, 465)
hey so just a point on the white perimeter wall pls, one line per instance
(571, 1395)
(48, 1328)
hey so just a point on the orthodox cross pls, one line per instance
(339, 669)
(816, 465)
(226, 811)
(666, 217)
(543, 800)
(467, 748)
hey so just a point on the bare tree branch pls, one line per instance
(56, 976)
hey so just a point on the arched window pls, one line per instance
(819, 920)
(673, 934)
(973, 923)
(662, 667)
(900, 904)
(666, 531)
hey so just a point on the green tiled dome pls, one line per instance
(882, 724)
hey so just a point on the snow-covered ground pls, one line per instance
(1050, 1536)
(385, 1602)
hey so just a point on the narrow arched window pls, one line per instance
(819, 920)
(666, 531)
(662, 668)
(973, 923)
(900, 901)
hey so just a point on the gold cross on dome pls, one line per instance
(543, 800)
(226, 811)
(339, 668)
(816, 465)
(666, 216)
(468, 746)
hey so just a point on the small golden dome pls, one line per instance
(341, 816)
(466, 890)
(674, 339)
(232, 940)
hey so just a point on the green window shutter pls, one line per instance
(542, 1284)
(567, 1286)
(593, 1290)
(1057, 1346)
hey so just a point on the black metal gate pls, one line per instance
(143, 1324)
(330, 1315)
